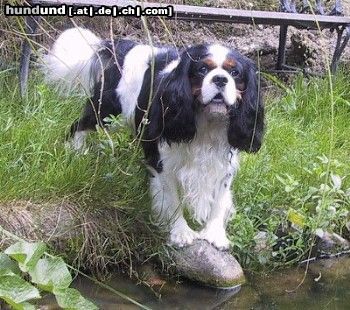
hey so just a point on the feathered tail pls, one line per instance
(70, 62)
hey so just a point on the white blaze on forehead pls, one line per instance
(218, 53)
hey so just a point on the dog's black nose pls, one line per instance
(220, 80)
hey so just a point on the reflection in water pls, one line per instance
(326, 286)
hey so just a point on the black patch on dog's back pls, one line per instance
(146, 102)
(105, 75)
(108, 64)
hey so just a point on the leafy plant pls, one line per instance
(47, 273)
(299, 181)
(325, 204)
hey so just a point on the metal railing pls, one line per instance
(305, 17)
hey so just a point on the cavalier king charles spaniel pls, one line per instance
(194, 110)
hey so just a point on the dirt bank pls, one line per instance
(91, 239)
(304, 48)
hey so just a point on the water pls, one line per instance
(326, 286)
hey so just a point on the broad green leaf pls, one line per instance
(50, 273)
(296, 218)
(26, 254)
(7, 265)
(70, 298)
(14, 290)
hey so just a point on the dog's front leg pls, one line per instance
(168, 210)
(215, 227)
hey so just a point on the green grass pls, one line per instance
(306, 144)
(288, 183)
(36, 165)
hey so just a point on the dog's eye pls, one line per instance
(234, 72)
(203, 70)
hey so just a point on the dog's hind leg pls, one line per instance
(96, 110)
(80, 128)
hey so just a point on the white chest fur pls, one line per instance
(202, 169)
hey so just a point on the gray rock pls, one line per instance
(204, 263)
(331, 269)
(331, 243)
(261, 241)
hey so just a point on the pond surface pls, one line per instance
(326, 286)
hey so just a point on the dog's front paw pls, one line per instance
(181, 236)
(217, 237)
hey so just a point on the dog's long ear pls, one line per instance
(176, 114)
(246, 127)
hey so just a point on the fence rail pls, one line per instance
(222, 15)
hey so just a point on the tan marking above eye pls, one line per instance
(229, 64)
(210, 63)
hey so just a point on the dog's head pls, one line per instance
(221, 83)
